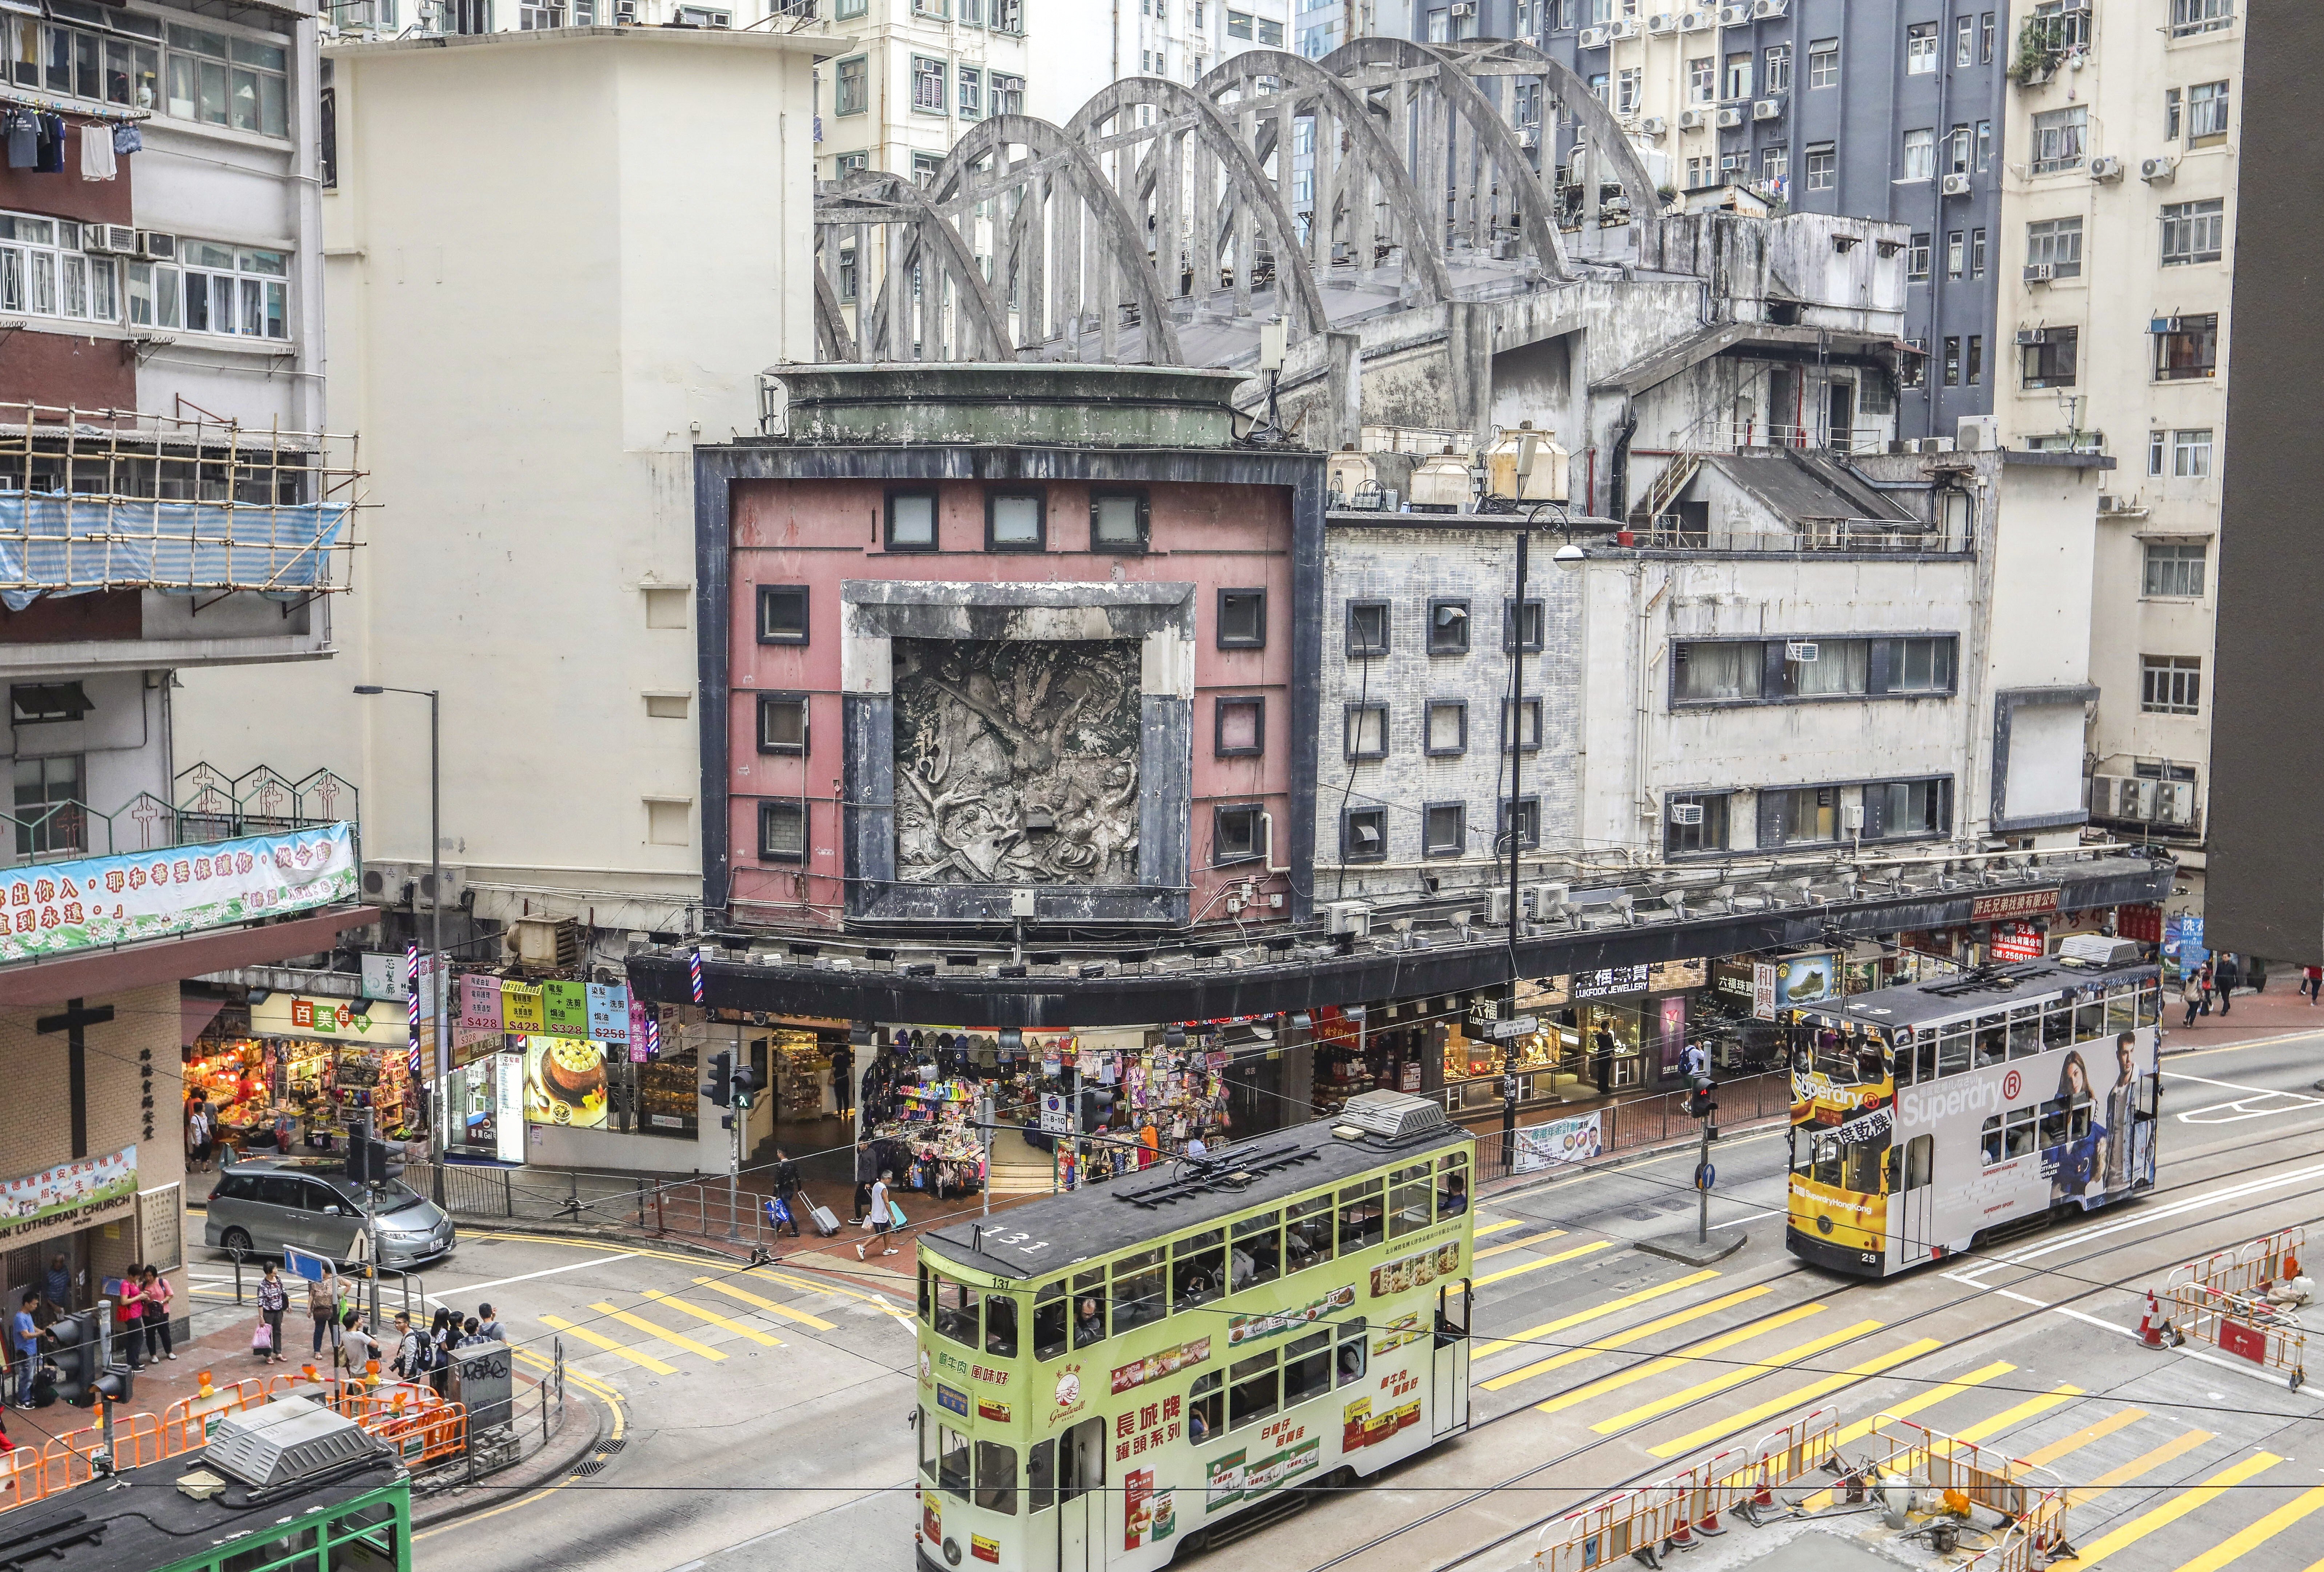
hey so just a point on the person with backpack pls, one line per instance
(441, 1335)
(273, 1300)
(413, 1354)
(787, 1193)
(323, 1305)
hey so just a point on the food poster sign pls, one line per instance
(1243, 1329)
(1368, 1422)
(1155, 1367)
(91, 902)
(1417, 1270)
(1148, 1516)
(565, 1082)
(1283, 1452)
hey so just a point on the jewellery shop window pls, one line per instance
(668, 1094)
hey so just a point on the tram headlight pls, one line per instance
(1824, 1223)
(951, 1551)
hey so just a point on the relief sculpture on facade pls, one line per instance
(1017, 761)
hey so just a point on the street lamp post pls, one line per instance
(436, 920)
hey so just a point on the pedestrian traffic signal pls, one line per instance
(75, 1357)
(746, 1085)
(1699, 1105)
(719, 1088)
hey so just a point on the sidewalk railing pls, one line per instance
(1656, 1118)
(697, 1207)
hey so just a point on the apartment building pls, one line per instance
(1177, 40)
(2117, 259)
(1813, 106)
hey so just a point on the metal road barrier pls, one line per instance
(2223, 1301)
(2031, 1502)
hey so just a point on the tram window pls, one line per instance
(1252, 1387)
(2018, 1133)
(1408, 1201)
(1353, 1360)
(1089, 1307)
(924, 1293)
(1050, 1312)
(2121, 1007)
(1992, 1039)
(1925, 1058)
(269, 1552)
(952, 1460)
(363, 1549)
(1041, 1476)
(2057, 1025)
(1307, 1235)
(2089, 1019)
(1826, 1167)
(1308, 1368)
(1953, 1049)
(1920, 1158)
(955, 1305)
(1836, 1056)
(1206, 1409)
(1197, 1269)
(2024, 1031)
(2150, 1003)
(1001, 1326)
(1257, 1254)
(1360, 1217)
(1081, 1458)
(1989, 1140)
(1138, 1291)
(1453, 1185)
(996, 1477)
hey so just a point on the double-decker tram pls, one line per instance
(1111, 1376)
(1924, 1117)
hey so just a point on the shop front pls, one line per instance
(1587, 1034)
(303, 1069)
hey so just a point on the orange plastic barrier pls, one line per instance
(1669, 1513)
(22, 1479)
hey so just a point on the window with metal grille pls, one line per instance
(928, 85)
(2174, 569)
(2171, 684)
(2193, 232)
(782, 832)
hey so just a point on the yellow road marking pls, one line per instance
(2022, 1412)
(1798, 1397)
(788, 1314)
(1537, 1264)
(2174, 1447)
(715, 1319)
(1520, 1244)
(1673, 1361)
(1735, 1376)
(646, 1360)
(680, 1338)
(1504, 1223)
(696, 1260)
(2177, 1507)
(1850, 1434)
(1549, 1328)
(2083, 1438)
(596, 1388)
(2258, 1533)
(813, 1287)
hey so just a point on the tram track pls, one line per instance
(1662, 1469)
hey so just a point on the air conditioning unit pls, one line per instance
(2040, 272)
(544, 941)
(1593, 38)
(1978, 434)
(2033, 335)
(155, 246)
(2075, 7)
(1347, 919)
(1496, 908)
(1697, 21)
(1761, 10)
(2174, 802)
(1693, 119)
(1653, 125)
(2162, 324)
(1801, 650)
(1767, 109)
(397, 883)
(1663, 22)
(1626, 28)
(1545, 899)
(1730, 116)
(2134, 799)
(2158, 171)
(1688, 813)
(1734, 15)
(1528, 136)
(109, 239)
(1464, 8)
(2106, 168)
(1956, 185)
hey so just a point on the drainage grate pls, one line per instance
(610, 1447)
(595, 1466)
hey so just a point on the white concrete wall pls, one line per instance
(531, 343)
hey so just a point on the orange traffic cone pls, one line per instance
(2150, 1323)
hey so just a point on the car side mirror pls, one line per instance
(330, 1211)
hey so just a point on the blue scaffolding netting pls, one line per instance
(59, 545)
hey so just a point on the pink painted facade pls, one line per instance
(820, 534)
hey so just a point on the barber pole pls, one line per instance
(694, 973)
(412, 1006)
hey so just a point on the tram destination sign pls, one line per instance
(2013, 904)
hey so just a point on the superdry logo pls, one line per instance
(1927, 1104)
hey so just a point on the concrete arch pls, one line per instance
(928, 234)
(1597, 126)
(1381, 159)
(1214, 131)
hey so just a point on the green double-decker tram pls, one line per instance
(1137, 1367)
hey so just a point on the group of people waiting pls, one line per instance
(407, 1350)
(140, 1299)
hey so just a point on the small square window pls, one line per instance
(1241, 725)
(1242, 619)
(670, 821)
(1444, 829)
(1367, 731)
(1236, 834)
(668, 706)
(1448, 627)
(912, 520)
(782, 614)
(782, 724)
(1533, 622)
(1448, 727)
(1014, 521)
(782, 832)
(1528, 823)
(1118, 520)
(1366, 628)
(666, 609)
(1528, 727)
(1364, 835)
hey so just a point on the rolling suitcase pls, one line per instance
(825, 1224)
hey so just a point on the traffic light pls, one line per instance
(1700, 1104)
(367, 1160)
(75, 1357)
(118, 1384)
(719, 1088)
(1096, 1105)
(746, 1085)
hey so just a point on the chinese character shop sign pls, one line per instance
(57, 908)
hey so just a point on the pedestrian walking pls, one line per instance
(787, 1191)
(2228, 975)
(197, 1138)
(867, 1174)
(356, 1348)
(156, 1291)
(2256, 973)
(273, 1300)
(2311, 983)
(2209, 980)
(881, 1219)
(2190, 993)
(441, 1335)
(323, 1305)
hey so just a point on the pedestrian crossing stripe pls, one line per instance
(644, 1360)
(1849, 1434)
(1653, 1367)
(748, 1298)
(811, 1286)
(1549, 1328)
(1500, 1223)
(2083, 1438)
(2257, 1534)
(1798, 1397)
(677, 1339)
(715, 1319)
(2178, 1445)
(2177, 1507)
(1537, 1264)
(2019, 1415)
(1520, 1244)
(1735, 1376)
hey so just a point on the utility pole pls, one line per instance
(1513, 737)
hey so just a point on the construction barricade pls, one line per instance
(2252, 1329)
(186, 1423)
(22, 1479)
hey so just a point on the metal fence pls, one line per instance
(702, 1208)
(1662, 1116)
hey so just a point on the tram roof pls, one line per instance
(1985, 988)
(152, 1523)
(1122, 1213)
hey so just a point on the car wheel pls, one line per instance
(234, 1241)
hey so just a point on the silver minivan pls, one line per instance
(261, 1206)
